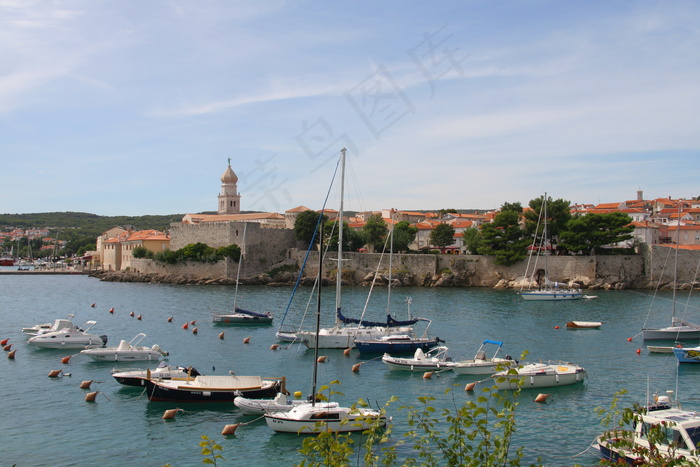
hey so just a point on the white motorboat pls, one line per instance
(126, 351)
(677, 431)
(57, 325)
(435, 359)
(540, 375)
(583, 324)
(281, 403)
(481, 364)
(69, 338)
(164, 371)
(324, 416)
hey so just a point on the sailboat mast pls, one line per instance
(238, 273)
(318, 311)
(544, 200)
(339, 274)
(675, 266)
(391, 254)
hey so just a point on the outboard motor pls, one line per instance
(104, 339)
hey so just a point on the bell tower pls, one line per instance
(229, 199)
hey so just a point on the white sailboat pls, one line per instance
(313, 416)
(343, 334)
(547, 290)
(679, 329)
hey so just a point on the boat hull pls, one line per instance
(480, 367)
(102, 355)
(323, 417)
(393, 347)
(345, 337)
(541, 376)
(671, 333)
(687, 354)
(242, 319)
(161, 391)
(550, 296)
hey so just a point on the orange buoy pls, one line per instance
(93, 305)
(4, 341)
(111, 310)
(54, 373)
(541, 397)
(131, 313)
(170, 414)
(11, 354)
(321, 359)
(229, 429)
(470, 386)
(629, 339)
(246, 340)
(85, 384)
(90, 396)
(427, 375)
(194, 330)
(638, 351)
(356, 367)
(7, 348)
(139, 317)
(65, 360)
(185, 326)
(556, 327)
(193, 322)
(221, 335)
(170, 319)
(346, 352)
(274, 346)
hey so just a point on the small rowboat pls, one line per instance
(583, 324)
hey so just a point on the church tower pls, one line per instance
(229, 199)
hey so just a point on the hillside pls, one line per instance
(86, 222)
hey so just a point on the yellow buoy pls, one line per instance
(54, 373)
(321, 359)
(297, 394)
(427, 375)
(85, 384)
(221, 335)
(541, 398)
(470, 386)
(90, 396)
(246, 340)
(274, 346)
(229, 429)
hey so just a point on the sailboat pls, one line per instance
(239, 315)
(314, 416)
(342, 336)
(679, 329)
(547, 290)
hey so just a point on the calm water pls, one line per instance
(46, 421)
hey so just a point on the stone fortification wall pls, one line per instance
(661, 261)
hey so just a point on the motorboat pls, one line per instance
(164, 371)
(57, 325)
(215, 388)
(540, 375)
(280, 403)
(434, 359)
(126, 351)
(583, 324)
(241, 316)
(677, 441)
(687, 354)
(324, 416)
(69, 338)
(481, 364)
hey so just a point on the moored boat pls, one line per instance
(687, 354)
(540, 375)
(583, 324)
(69, 338)
(138, 377)
(324, 416)
(434, 359)
(280, 403)
(212, 388)
(57, 325)
(126, 351)
(481, 364)
(241, 316)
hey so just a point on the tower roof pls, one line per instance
(229, 175)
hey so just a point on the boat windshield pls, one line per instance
(694, 434)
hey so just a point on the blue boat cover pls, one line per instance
(251, 313)
(390, 322)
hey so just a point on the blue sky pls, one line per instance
(131, 107)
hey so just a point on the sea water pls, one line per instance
(47, 422)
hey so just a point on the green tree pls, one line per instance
(472, 239)
(442, 235)
(504, 239)
(197, 252)
(404, 234)
(590, 232)
(232, 251)
(305, 226)
(142, 252)
(558, 215)
(375, 230)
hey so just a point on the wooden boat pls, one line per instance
(659, 349)
(434, 359)
(682, 435)
(583, 324)
(126, 351)
(164, 371)
(540, 375)
(212, 388)
(482, 364)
